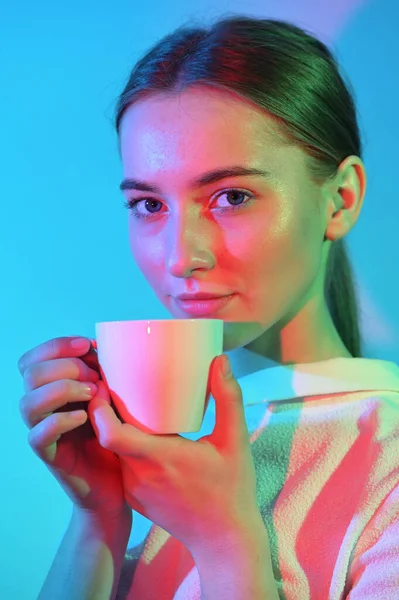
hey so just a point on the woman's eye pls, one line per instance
(233, 203)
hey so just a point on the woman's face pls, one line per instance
(262, 242)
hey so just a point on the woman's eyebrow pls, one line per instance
(204, 179)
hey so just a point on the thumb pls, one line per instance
(97, 416)
(102, 416)
(230, 417)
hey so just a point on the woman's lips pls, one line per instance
(200, 308)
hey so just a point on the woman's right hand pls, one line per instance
(55, 376)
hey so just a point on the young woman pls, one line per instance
(242, 175)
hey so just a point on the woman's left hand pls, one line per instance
(201, 492)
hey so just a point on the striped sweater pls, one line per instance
(325, 444)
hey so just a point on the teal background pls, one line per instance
(65, 258)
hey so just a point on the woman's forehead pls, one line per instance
(206, 112)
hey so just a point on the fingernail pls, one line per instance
(90, 390)
(79, 343)
(226, 367)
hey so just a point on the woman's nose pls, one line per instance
(189, 248)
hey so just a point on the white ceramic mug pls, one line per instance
(158, 371)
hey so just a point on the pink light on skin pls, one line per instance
(263, 236)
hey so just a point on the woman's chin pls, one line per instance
(237, 334)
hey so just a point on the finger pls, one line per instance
(53, 396)
(122, 438)
(91, 358)
(60, 347)
(41, 373)
(44, 436)
(230, 423)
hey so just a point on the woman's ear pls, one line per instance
(344, 195)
